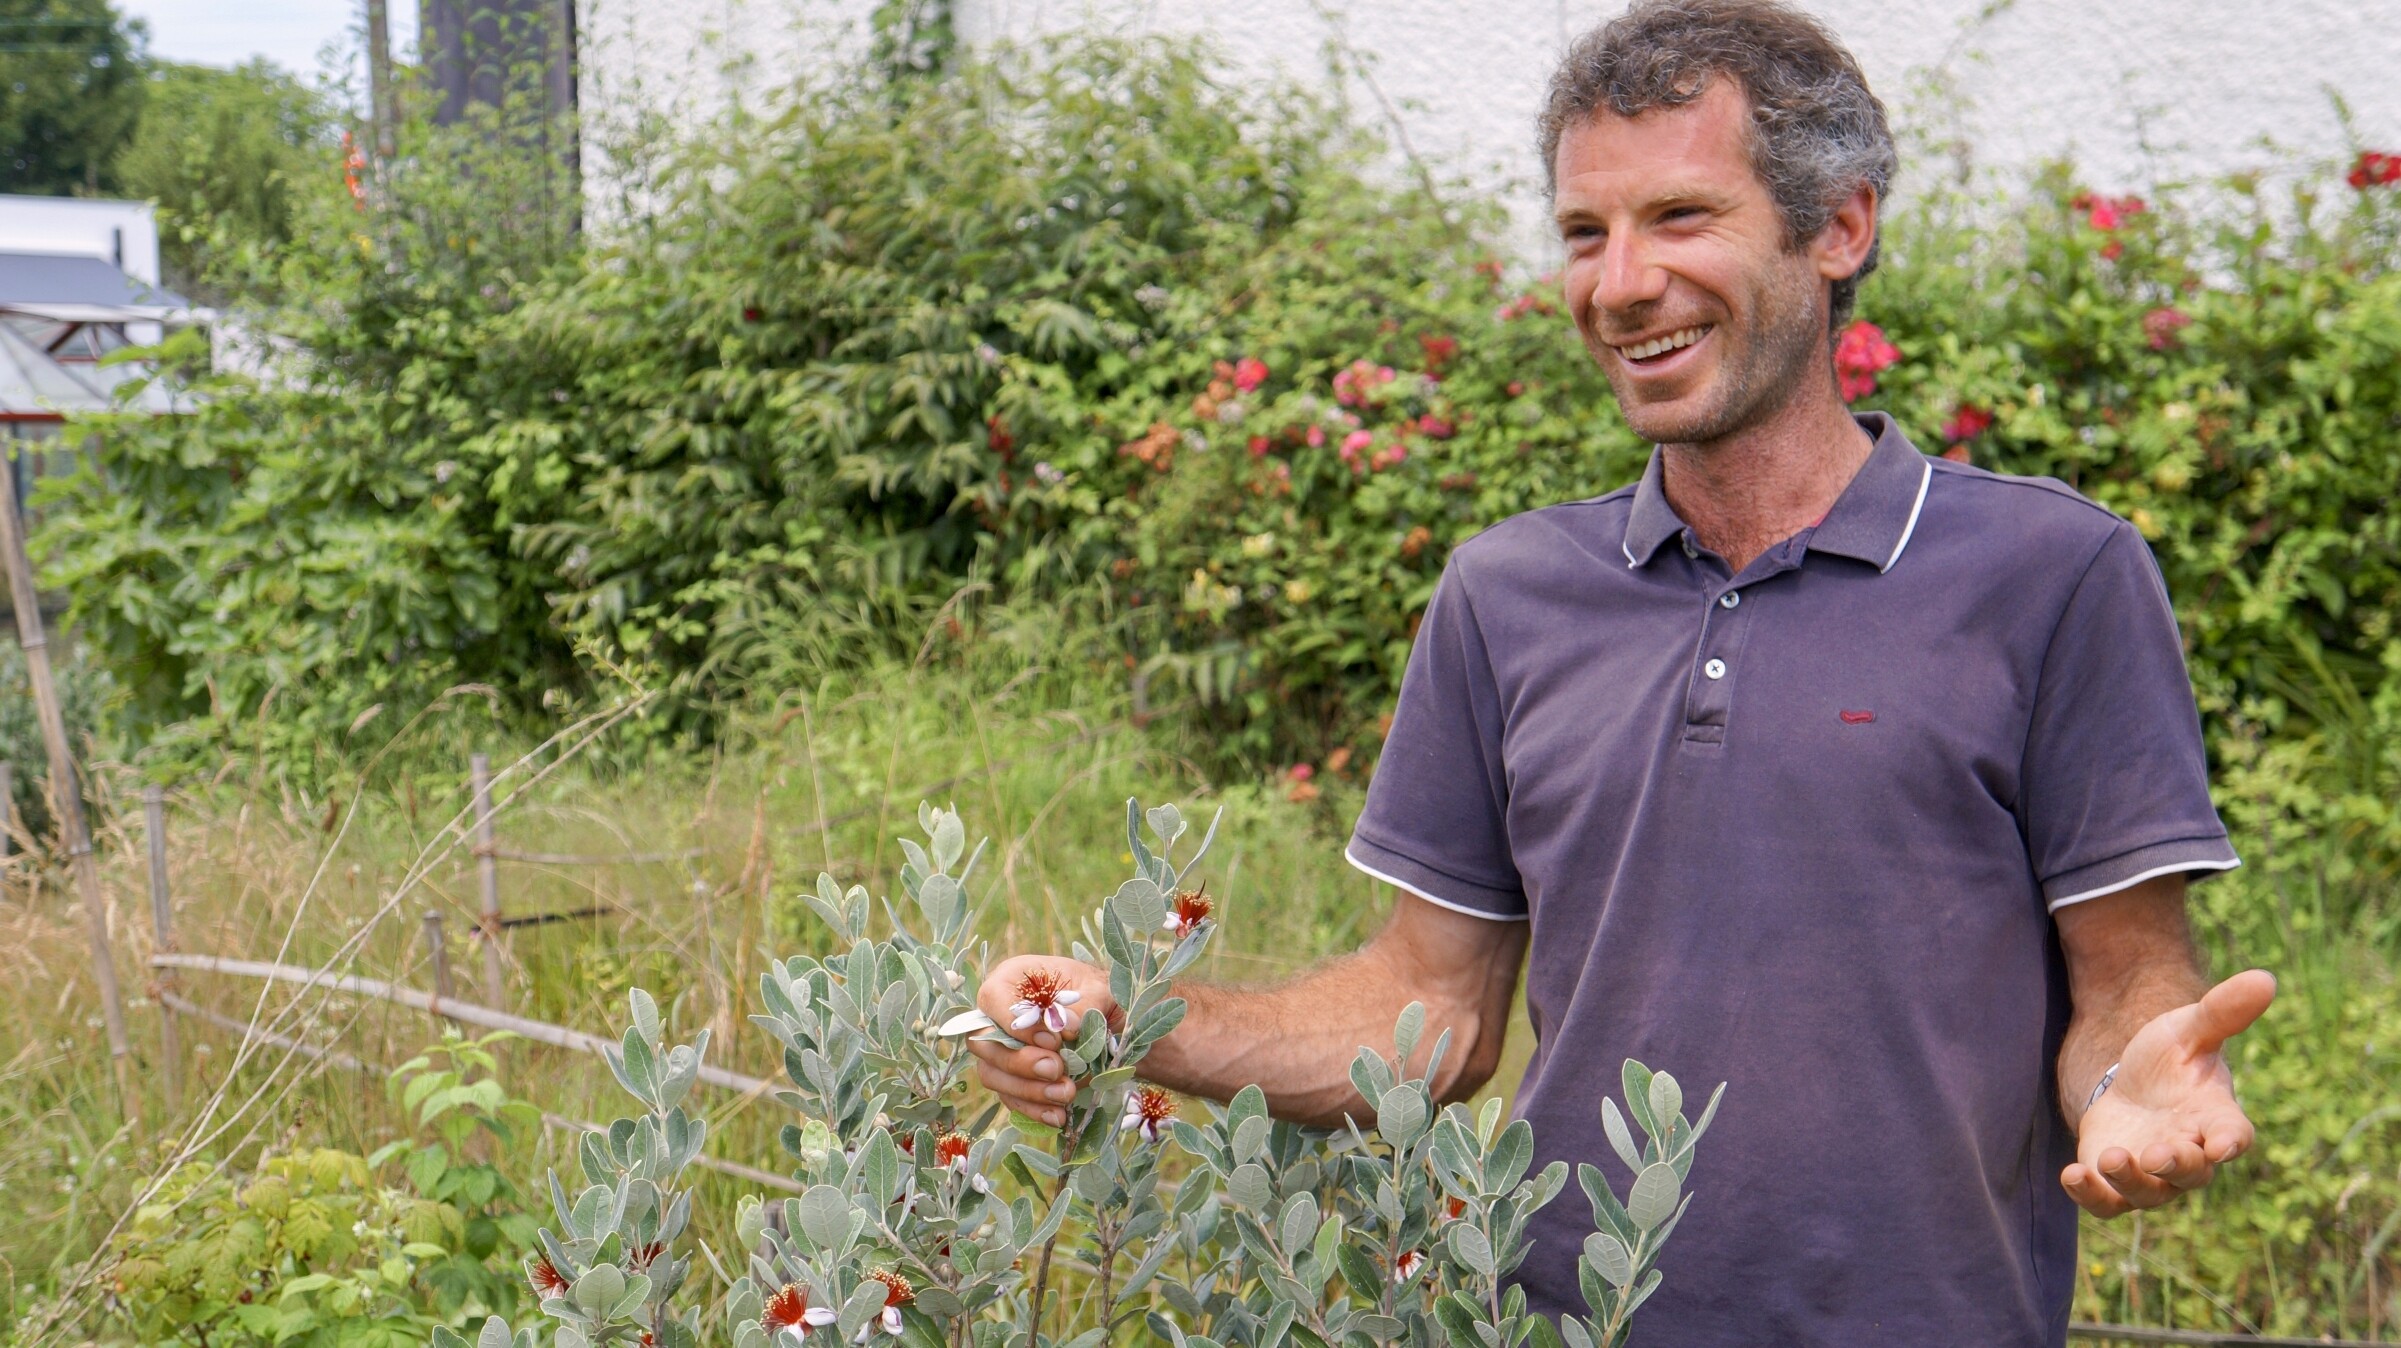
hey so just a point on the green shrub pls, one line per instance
(318, 1246)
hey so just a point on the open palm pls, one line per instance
(2170, 1118)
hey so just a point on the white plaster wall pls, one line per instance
(2140, 92)
(121, 232)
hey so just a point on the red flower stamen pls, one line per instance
(1192, 908)
(897, 1290)
(547, 1281)
(1147, 1110)
(952, 1149)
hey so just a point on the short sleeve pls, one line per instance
(1435, 823)
(2115, 785)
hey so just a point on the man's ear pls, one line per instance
(1841, 248)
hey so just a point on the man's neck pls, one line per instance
(1751, 490)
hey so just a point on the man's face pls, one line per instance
(1677, 273)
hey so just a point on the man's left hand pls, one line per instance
(2170, 1117)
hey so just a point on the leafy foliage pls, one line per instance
(317, 1246)
(70, 94)
(1403, 1232)
(225, 154)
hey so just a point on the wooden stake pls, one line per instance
(383, 101)
(65, 793)
(162, 926)
(487, 873)
(8, 802)
(439, 951)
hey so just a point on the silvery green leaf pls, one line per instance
(1667, 1100)
(935, 1299)
(1141, 905)
(1401, 1114)
(1653, 1199)
(1298, 1226)
(598, 1290)
(1708, 1112)
(1207, 837)
(966, 1022)
(939, 899)
(1607, 1213)
(1572, 1328)
(879, 1167)
(1610, 1256)
(1643, 1293)
(495, 1334)
(1250, 1187)
(1621, 1138)
(825, 1216)
(646, 1015)
(1405, 1033)
(1090, 1183)
(1636, 1079)
(1381, 1328)
(1166, 824)
(1279, 1322)
(865, 1302)
(1510, 1157)
(567, 1336)
(1250, 1137)
(949, 839)
(1470, 1248)
(446, 1337)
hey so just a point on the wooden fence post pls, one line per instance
(162, 926)
(66, 794)
(487, 872)
(439, 951)
(8, 803)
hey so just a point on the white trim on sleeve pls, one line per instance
(1439, 903)
(2152, 874)
(1911, 527)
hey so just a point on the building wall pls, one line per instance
(123, 232)
(2140, 92)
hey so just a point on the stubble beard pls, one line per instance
(1761, 371)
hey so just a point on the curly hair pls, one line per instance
(1816, 132)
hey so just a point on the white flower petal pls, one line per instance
(1027, 1014)
(1069, 997)
(1055, 1020)
(966, 1022)
(821, 1315)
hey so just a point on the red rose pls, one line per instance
(1967, 423)
(2161, 325)
(1859, 354)
(1249, 373)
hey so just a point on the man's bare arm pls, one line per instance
(1295, 1041)
(2140, 1000)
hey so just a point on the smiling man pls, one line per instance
(1866, 782)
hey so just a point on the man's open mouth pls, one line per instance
(1658, 349)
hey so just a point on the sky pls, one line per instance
(287, 32)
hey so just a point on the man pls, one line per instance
(1865, 782)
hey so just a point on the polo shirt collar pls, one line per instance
(1871, 521)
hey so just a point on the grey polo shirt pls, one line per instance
(1801, 830)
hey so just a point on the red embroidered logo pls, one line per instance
(1858, 717)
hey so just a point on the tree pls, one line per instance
(225, 154)
(70, 94)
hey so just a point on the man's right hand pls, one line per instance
(1033, 1080)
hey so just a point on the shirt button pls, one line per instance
(1729, 599)
(1715, 669)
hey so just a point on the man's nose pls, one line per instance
(1630, 277)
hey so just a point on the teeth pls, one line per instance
(1659, 346)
